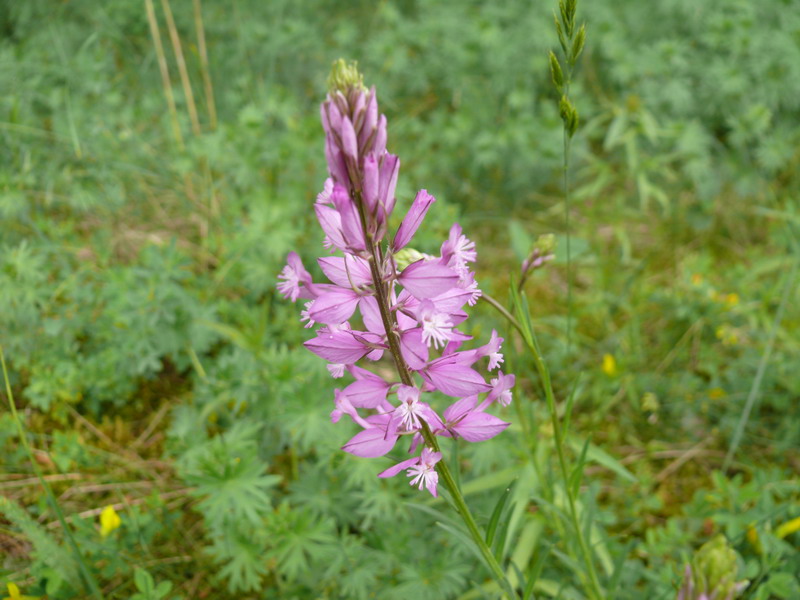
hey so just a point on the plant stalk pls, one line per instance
(390, 325)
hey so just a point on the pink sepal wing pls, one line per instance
(351, 222)
(392, 471)
(413, 349)
(370, 443)
(413, 219)
(370, 185)
(331, 223)
(427, 279)
(479, 426)
(335, 306)
(349, 141)
(346, 271)
(371, 315)
(337, 346)
(459, 408)
(367, 393)
(456, 380)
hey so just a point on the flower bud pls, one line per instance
(345, 77)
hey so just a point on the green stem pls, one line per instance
(544, 374)
(87, 575)
(569, 245)
(594, 588)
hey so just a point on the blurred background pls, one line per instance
(159, 159)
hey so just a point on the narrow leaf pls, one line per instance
(495, 518)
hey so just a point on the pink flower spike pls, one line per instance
(413, 219)
(426, 279)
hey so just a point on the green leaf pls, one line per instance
(495, 518)
(144, 582)
(598, 455)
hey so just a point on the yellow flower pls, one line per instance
(14, 593)
(109, 520)
(788, 528)
(609, 365)
(697, 279)
(716, 393)
(755, 541)
(732, 300)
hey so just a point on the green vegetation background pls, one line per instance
(158, 371)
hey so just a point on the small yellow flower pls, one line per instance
(609, 365)
(14, 593)
(716, 393)
(109, 520)
(788, 528)
(731, 300)
(755, 541)
(697, 279)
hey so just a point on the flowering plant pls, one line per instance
(410, 304)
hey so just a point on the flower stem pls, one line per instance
(594, 588)
(390, 325)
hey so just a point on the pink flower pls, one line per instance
(421, 469)
(412, 316)
(294, 276)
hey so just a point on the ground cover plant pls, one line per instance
(164, 432)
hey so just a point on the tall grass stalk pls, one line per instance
(204, 69)
(164, 69)
(571, 40)
(89, 579)
(177, 48)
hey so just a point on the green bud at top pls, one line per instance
(345, 77)
(545, 244)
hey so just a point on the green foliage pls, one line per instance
(158, 371)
